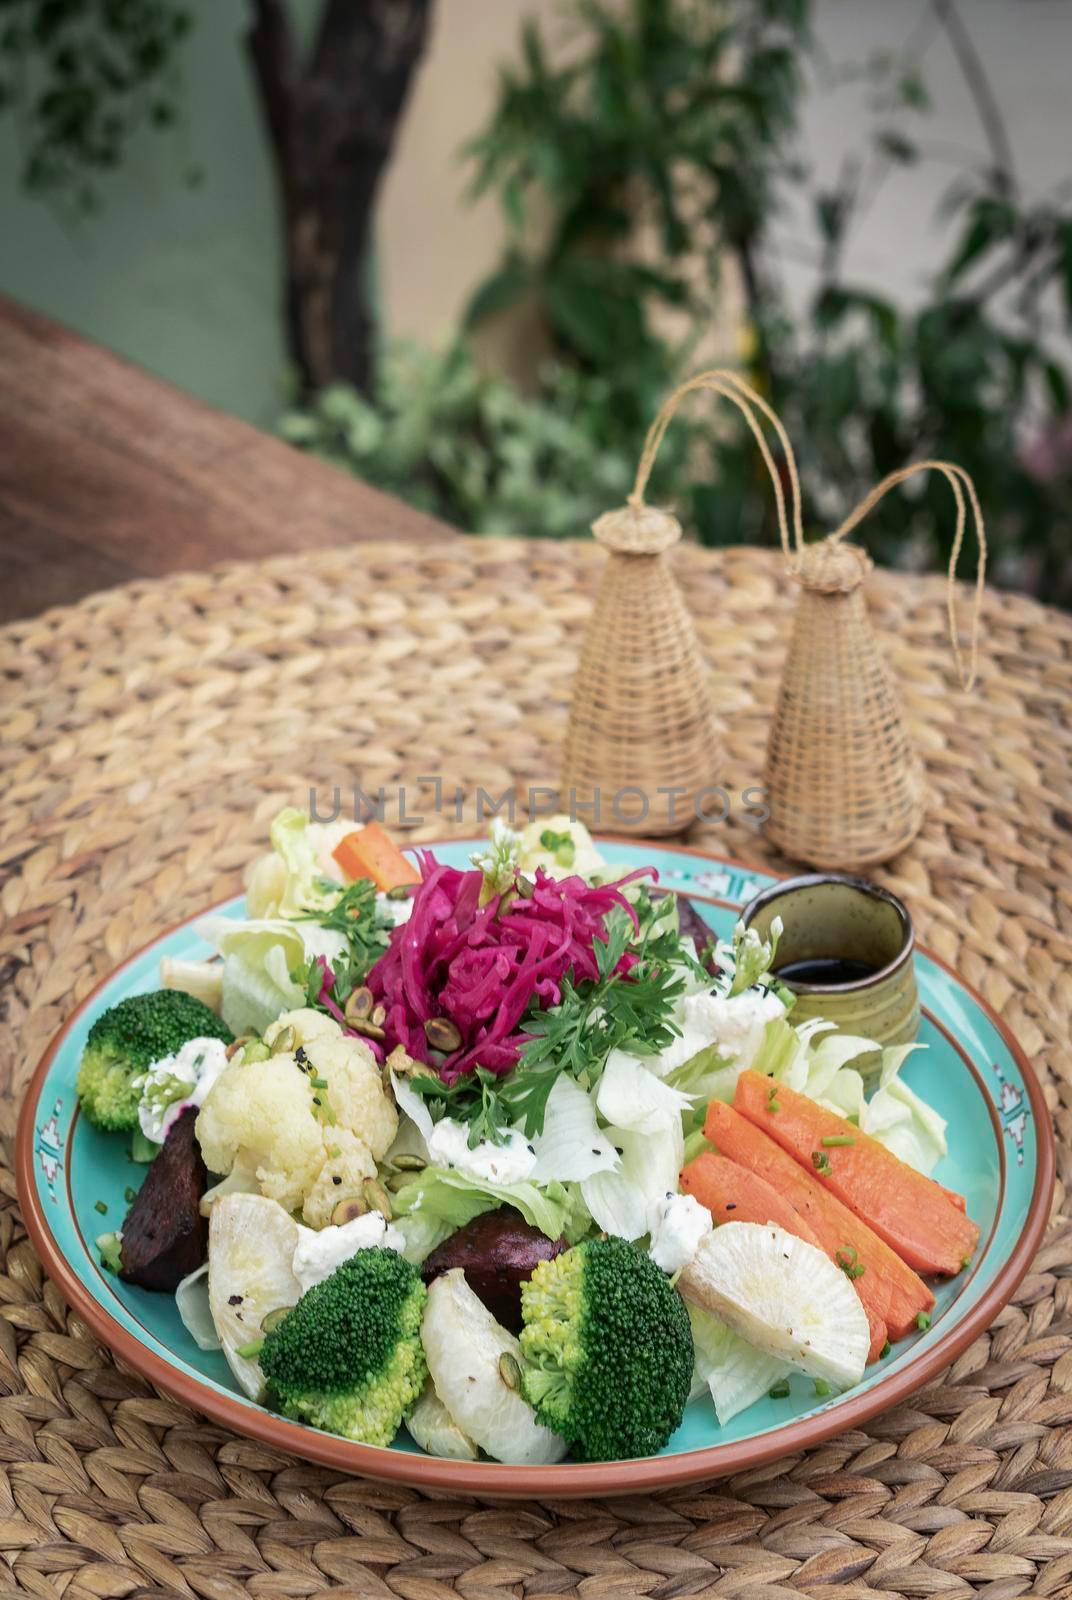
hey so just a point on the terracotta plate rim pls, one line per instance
(571, 1479)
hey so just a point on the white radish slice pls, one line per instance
(251, 1243)
(465, 1345)
(784, 1296)
(435, 1430)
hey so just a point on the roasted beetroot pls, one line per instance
(165, 1236)
(498, 1252)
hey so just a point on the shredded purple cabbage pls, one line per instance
(484, 966)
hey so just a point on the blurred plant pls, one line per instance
(661, 148)
(83, 77)
(467, 446)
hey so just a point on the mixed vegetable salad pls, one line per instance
(518, 1157)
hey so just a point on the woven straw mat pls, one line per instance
(150, 734)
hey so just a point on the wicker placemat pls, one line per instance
(151, 732)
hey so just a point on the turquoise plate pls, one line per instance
(1001, 1159)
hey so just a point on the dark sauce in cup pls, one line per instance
(825, 969)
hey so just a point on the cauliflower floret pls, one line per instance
(341, 1177)
(307, 1024)
(263, 1115)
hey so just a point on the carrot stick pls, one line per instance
(910, 1212)
(732, 1194)
(890, 1292)
(370, 852)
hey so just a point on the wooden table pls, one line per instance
(153, 731)
(108, 474)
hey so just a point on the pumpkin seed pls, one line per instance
(348, 1209)
(359, 1004)
(271, 1322)
(378, 1199)
(284, 1041)
(379, 1016)
(525, 888)
(408, 1163)
(509, 1371)
(442, 1034)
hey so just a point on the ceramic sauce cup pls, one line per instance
(846, 951)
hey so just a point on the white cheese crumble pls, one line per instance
(195, 1068)
(734, 1024)
(318, 1253)
(511, 1162)
(678, 1225)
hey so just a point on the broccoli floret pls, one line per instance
(126, 1040)
(609, 1350)
(349, 1357)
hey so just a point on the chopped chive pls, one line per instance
(923, 1321)
(965, 1263)
(773, 1103)
(821, 1162)
(101, 1207)
(886, 1348)
(334, 1152)
(850, 1266)
(319, 1083)
(250, 1351)
(779, 1390)
(833, 1140)
(822, 1387)
(130, 1195)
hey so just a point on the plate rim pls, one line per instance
(501, 1480)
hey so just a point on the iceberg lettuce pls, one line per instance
(258, 959)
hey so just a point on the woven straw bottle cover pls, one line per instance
(844, 785)
(641, 745)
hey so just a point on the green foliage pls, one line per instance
(608, 1350)
(473, 449)
(124, 1042)
(631, 168)
(664, 146)
(82, 77)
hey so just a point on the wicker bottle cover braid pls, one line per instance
(641, 745)
(844, 785)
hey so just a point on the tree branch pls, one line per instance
(275, 69)
(982, 93)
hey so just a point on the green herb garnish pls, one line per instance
(822, 1387)
(560, 845)
(923, 1321)
(846, 1260)
(779, 1390)
(100, 1206)
(773, 1103)
(130, 1195)
(110, 1246)
(834, 1141)
(821, 1162)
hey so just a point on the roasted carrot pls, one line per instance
(370, 852)
(732, 1194)
(911, 1213)
(890, 1292)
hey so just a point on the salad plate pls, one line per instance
(75, 1180)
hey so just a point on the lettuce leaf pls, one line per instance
(258, 959)
(736, 1374)
(901, 1120)
(572, 1146)
(455, 1199)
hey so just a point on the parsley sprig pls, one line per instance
(356, 916)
